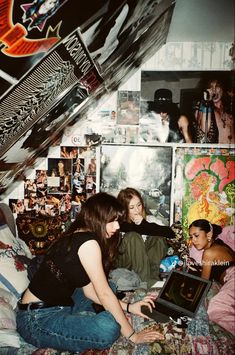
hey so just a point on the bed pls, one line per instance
(201, 337)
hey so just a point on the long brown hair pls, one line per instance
(96, 212)
(125, 196)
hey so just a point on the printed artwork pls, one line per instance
(128, 112)
(204, 185)
(53, 198)
(187, 107)
(38, 12)
(35, 120)
(143, 168)
(39, 232)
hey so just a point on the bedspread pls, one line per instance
(200, 338)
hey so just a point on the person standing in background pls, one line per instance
(172, 125)
(214, 121)
(222, 101)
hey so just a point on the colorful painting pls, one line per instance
(204, 185)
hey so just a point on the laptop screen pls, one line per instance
(183, 292)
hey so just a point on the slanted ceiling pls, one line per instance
(53, 65)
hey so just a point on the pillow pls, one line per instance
(8, 297)
(12, 269)
(7, 315)
(228, 236)
(9, 338)
(8, 334)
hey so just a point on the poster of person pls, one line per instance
(204, 185)
(59, 175)
(151, 175)
(68, 152)
(128, 107)
(187, 106)
(41, 182)
(30, 188)
(17, 206)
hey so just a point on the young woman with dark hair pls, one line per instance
(218, 263)
(56, 310)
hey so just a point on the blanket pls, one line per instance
(201, 337)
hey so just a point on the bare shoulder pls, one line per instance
(218, 252)
(210, 253)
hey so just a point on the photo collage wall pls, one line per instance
(61, 188)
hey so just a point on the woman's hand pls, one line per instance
(135, 307)
(137, 219)
(147, 336)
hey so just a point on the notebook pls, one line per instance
(180, 296)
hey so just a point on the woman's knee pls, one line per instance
(109, 326)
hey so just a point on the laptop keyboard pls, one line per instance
(168, 311)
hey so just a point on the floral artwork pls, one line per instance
(207, 186)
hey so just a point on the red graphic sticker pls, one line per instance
(14, 36)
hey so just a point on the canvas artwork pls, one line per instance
(143, 168)
(204, 185)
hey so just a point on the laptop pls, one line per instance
(181, 296)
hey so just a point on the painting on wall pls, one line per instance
(204, 185)
(187, 107)
(143, 168)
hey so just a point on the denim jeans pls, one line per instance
(75, 328)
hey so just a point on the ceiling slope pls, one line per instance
(55, 62)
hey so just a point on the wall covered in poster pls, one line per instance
(101, 122)
(204, 185)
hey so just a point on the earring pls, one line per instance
(209, 239)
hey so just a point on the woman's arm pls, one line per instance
(183, 124)
(90, 256)
(90, 293)
(148, 228)
(134, 308)
(91, 259)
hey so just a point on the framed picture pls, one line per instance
(143, 168)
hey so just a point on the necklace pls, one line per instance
(223, 117)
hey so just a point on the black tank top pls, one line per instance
(217, 270)
(61, 272)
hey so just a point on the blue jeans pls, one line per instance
(75, 328)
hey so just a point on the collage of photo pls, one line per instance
(68, 181)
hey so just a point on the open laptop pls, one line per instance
(180, 296)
